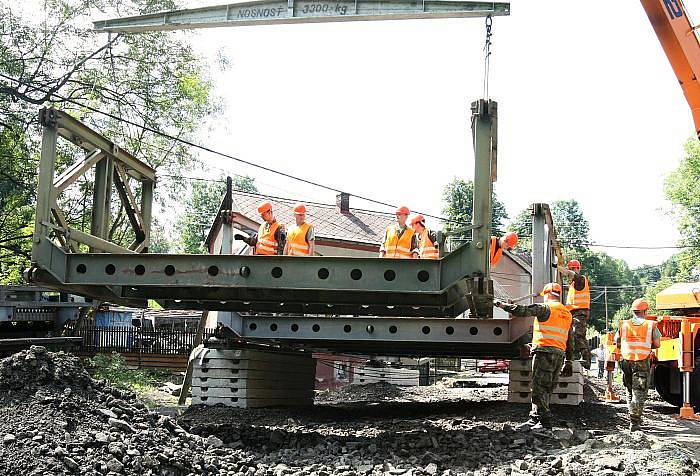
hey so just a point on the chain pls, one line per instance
(487, 55)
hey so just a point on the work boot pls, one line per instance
(542, 429)
(527, 426)
(585, 364)
(635, 426)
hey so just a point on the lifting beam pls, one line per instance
(269, 12)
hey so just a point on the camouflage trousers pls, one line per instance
(580, 342)
(635, 376)
(546, 367)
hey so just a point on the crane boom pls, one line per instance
(680, 43)
(268, 12)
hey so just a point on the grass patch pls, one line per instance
(113, 368)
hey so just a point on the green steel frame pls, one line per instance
(318, 285)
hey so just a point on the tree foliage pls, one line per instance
(50, 56)
(458, 199)
(202, 205)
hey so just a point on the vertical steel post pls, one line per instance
(104, 169)
(539, 273)
(146, 210)
(484, 113)
(45, 192)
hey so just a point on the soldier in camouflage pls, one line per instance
(636, 338)
(578, 301)
(552, 347)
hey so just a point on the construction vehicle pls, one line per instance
(32, 315)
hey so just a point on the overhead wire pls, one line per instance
(219, 153)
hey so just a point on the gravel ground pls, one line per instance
(55, 420)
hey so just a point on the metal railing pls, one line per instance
(132, 339)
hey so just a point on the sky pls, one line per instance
(589, 109)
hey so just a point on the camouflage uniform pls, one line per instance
(635, 376)
(580, 327)
(547, 363)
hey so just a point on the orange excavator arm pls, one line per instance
(680, 43)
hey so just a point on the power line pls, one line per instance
(216, 152)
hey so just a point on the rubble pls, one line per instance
(376, 430)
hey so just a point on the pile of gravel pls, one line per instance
(55, 419)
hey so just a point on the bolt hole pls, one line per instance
(252, 326)
(356, 274)
(389, 275)
(423, 276)
(276, 272)
(393, 329)
(273, 327)
(498, 331)
(370, 329)
(450, 330)
(81, 268)
(110, 269)
(426, 330)
(170, 270)
(295, 327)
(315, 328)
(244, 271)
(323, 273)
(347, 328)
(213, 270)
(473, 331)
(140, 269)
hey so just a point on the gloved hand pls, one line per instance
(498, 303)
(568, 370)
(238, 236)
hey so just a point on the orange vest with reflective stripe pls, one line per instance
(635, 340)
(579, 299)
(428, 250)
(494, 253)
(267, 244)
(553, 332)
(398, 247)
(298, 246)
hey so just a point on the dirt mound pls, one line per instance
(55, 419)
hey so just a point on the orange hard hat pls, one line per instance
(264, 207)
(551, 288)
(403, 211)
(300, 209)
(574, 264)
(640, 304)
(510, 239)
(417, 219)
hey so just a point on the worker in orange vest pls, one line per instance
(551, 350)
(301, 239)
(635, 338)
(506, 242)
(400, 241)
(578, 301)
(427, 240)
(271, 236)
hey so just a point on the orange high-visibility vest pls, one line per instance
(635, 340)
(398, 247)
(554, 332)
(494, 253)
(579, 299)
(267, 244)
(298, 246)
(428, 250)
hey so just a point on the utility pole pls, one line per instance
(605, 292)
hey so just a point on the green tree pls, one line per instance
(682, 189)
(50, 56)
(458, 199)
(201, 206)
(572, 227)
(522, 226)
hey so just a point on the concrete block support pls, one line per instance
(569, 390)
(252, 379)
